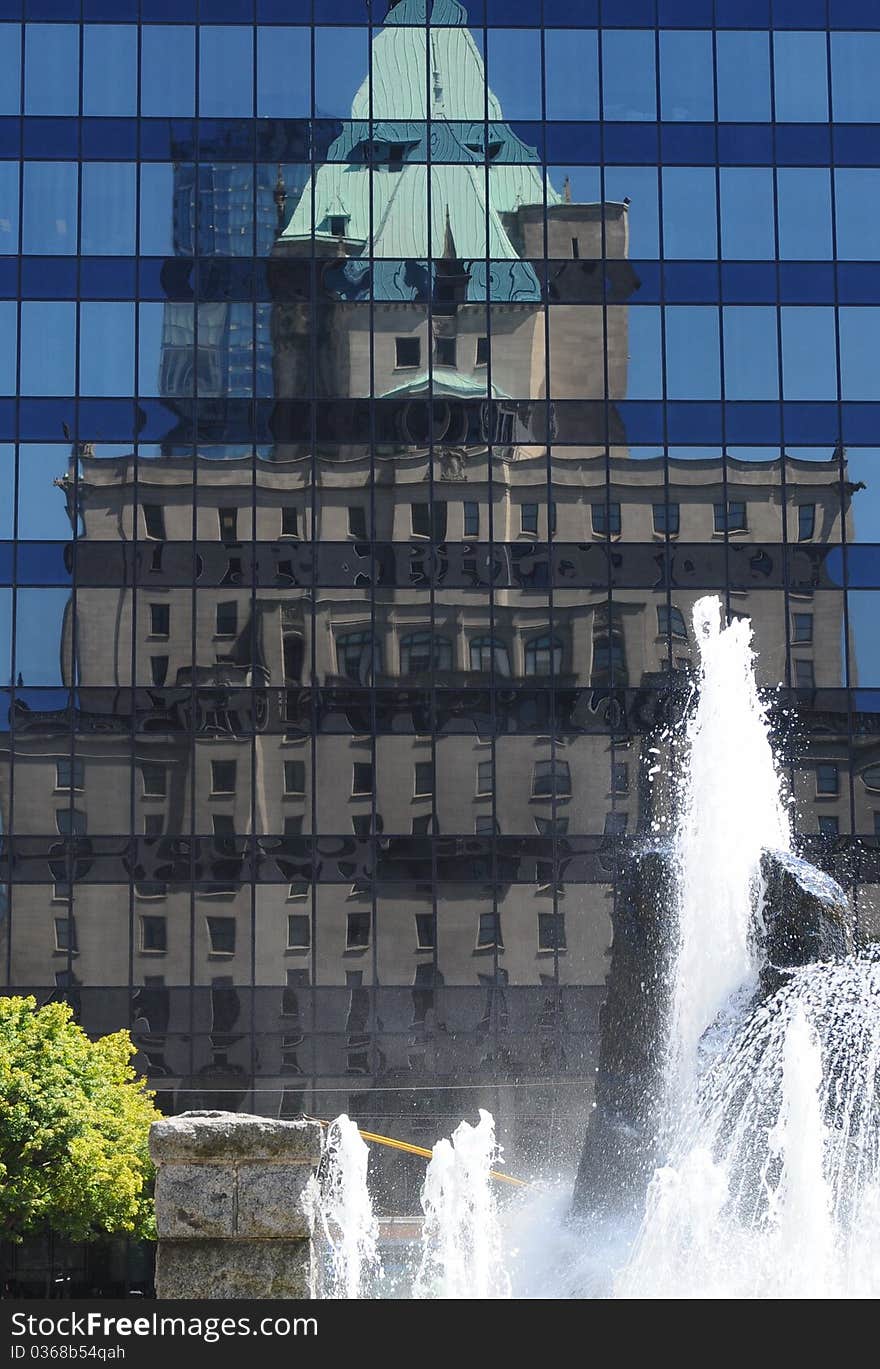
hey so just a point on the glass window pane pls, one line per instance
(855, 61)
(106, 347)
(644, 372)
(514, 71)
(5, 634)
(341, 66)
(743, 66)
(168, 70)
(10, 68)
(42, 516)
(8, 208)
(8, 338)
(804, 213)
(857, 211)
(110, 69)
(859, 350)
(751, 366)
(51, 71)
(157, 206)
(686, 75)
(226, 72)
(693, 369)
(108, 209)
(809, 364)
(690, 228)
(571, 61)
(50, 208)
(628, 77)
(48, 347)
(638, 184)
(800, 77)
(39, 630)
(747, 230)
(284, 73)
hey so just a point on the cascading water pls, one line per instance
(730, 810)
(338, 1201)
(462, 1255)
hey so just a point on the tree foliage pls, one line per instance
(74, 1123)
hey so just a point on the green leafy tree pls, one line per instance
(74, 1123)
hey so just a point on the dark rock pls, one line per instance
(806, 917)
(620, 1148)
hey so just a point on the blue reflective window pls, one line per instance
(48, 347)
(10, 68)
(743, 67)
(7, 482)
(106, 347)
(5, 635)
(341, 66)
(226, 72)
(50, 208)
(690, 226)
(8, 208)
(857, 213)
(110, 69)
(638, 184)
(42, 510)
(108, 209)
(168, 70)
(8, 337)
(859, 350)
(686, 86)
(644, 374)
(39, 631)
(514, 71)
(284, 73)
(628, 76)
(864, 651)
(809, 361)
(855, 90)
(571, 64)
(751, 365)
(693, 367)
(747, 228)
(51, 71)
(800, 77)
(157, 206)
(804, 200)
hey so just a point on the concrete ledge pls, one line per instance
(208, 1137)
(232, 1269)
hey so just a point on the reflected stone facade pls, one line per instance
(334, 695)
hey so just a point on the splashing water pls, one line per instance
(338, 1202)
(730, 811)
(461, 1238)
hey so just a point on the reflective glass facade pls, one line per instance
(379, 389)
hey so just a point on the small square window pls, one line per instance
(223, 825)
(619, 777)
(471, 519)
(426, 931)
(829, 826)
(408, 351)
(606, 519)
(361, 778)
(227, 618)
(484, 777)
(804, 674)
(827, 778)
(295, 778)
(732, 517)
(160, 620)
(293, 825)
(70, 822)
(154, 522)
(357, 522)
(482, 352)
(357, 931)
(289, 521)
(445, 351)
(486, 826)
(616, 824)
(299, 931)
(221, 935)
(338, 225)
(551, 779)
(69, 774)
(670, 621)
(551, 827)
(155, 780)
(424, 779)
(666, 519)
(154, 824)
(806, 516)
(65, 934)
(298, 889)
(528, 518)
(228, 519)
(154, 934)
(223, 777)
(802, 628)
(422, 825)
(551, 931)
(489, 930)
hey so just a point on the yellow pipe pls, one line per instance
(420, 1150)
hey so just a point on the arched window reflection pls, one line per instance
(422, 651)
(488, 653)
(544, 655)
(358, 655)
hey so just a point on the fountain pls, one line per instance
(346, 1262)
(734, 1149)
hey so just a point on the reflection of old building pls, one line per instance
(353, 722)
